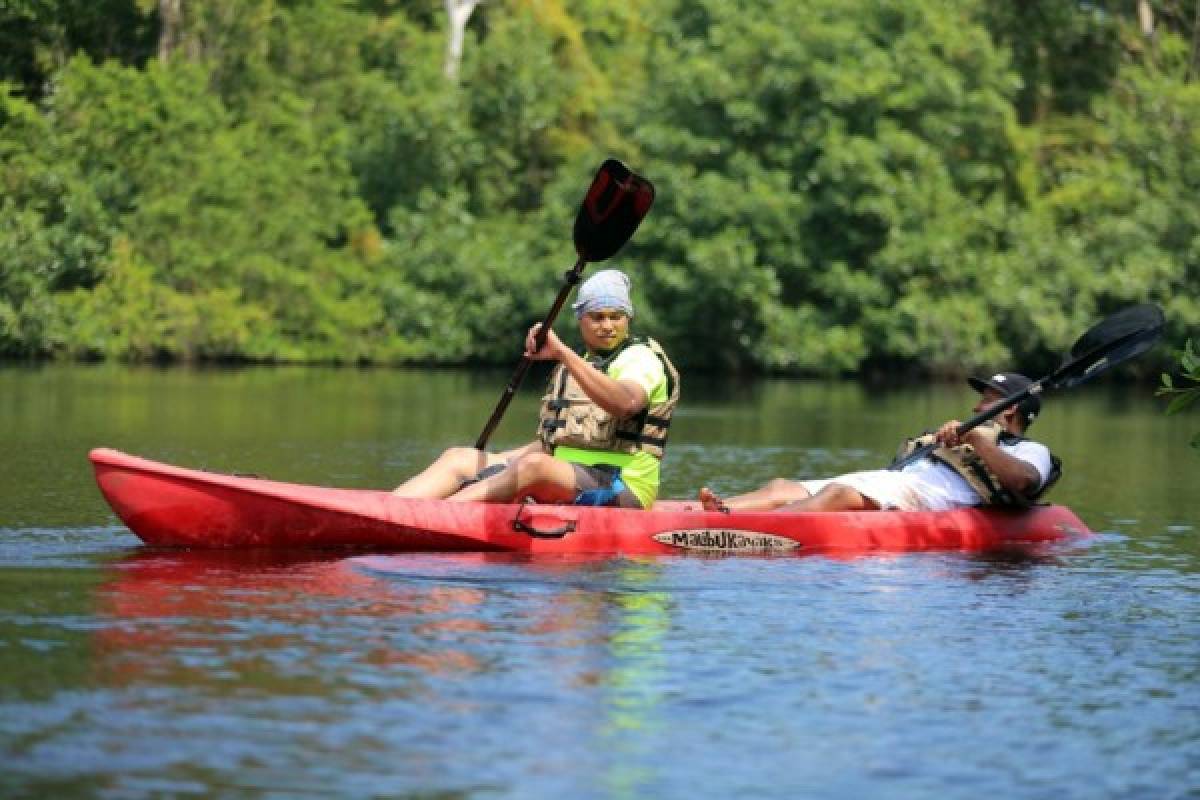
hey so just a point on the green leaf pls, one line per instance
(1188, 361)
(1183, 400)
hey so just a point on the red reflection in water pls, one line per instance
(269, 616)
(210, 616)
(183, 611)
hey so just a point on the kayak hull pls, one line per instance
(169, 506)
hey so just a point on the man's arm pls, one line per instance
(1015, 474)
(620, 398)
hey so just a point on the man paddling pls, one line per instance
(990, 464)
(603, 422)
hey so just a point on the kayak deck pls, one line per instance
(171, 506)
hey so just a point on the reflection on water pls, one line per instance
(636, 684)
(308, 672)
(265, 626)
(208, 619)
(1065, 671)
(172, 615)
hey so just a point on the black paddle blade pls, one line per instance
(1118, 338)
(612, 210)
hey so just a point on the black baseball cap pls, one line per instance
(1009, 384)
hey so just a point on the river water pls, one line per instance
(127, 672)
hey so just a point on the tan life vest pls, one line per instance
(569, 418)
(971, 468)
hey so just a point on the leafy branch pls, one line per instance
(1184, 394)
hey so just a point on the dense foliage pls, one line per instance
(843, 185)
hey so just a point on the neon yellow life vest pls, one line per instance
(966, 462)
(569, 418)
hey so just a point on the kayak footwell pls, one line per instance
(171, 506)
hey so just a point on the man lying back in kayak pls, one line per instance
(991, 464)
(603, 423)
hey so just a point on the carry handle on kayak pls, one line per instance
(1118, 338)
(530, 528)
(611, 211)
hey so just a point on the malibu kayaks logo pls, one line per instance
(725, 541)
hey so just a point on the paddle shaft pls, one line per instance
(569, 280)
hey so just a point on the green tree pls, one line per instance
(1115, 221)
(844, 185)
(825, 165)
(56, 231)
(267, 213)
(1066, 52)
(38, 37)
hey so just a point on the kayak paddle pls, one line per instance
(1116, 339)
(611, 211)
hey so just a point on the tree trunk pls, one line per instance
(1146, 18)
(458, 12)
(170, 20)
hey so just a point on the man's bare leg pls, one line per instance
(834, 497)
(443, 477)
(544, 477)
(774, 494)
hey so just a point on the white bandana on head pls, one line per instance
(608, 288)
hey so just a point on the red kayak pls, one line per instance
(170, 506)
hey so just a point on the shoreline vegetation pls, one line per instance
(845, 187)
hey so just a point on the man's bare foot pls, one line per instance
(710, 501)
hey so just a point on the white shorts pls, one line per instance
(901, 491)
